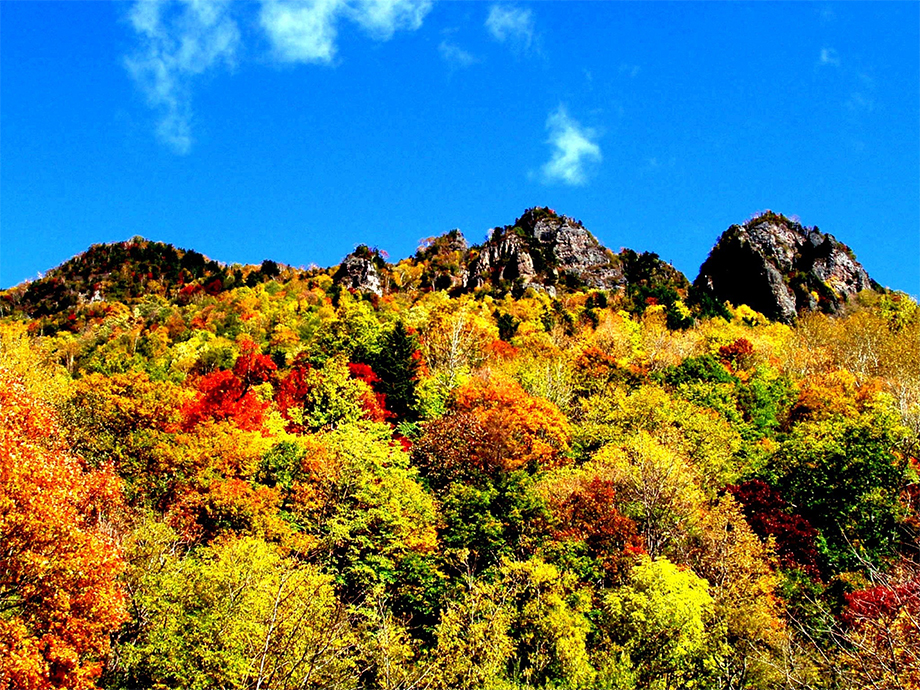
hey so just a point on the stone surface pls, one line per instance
(359, 272)
(541, 249)
(779, 268)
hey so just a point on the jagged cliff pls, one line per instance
(542, 249)
(780, 268)
(770, 263)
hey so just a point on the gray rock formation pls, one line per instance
(542, 249)
(578, 252)
(779, 268)
(358, 271)
(503, 260)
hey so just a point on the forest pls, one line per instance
(256, 477)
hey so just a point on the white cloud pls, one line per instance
(382, 18)
(512, 25)
(306, 30)
(829, 57)
(455, 56)
(177, 43)
(301, 31)
(575, 150)
(182, 39)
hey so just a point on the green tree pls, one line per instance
(397, 364)
(374, 522)
(656, 629)
(232, 615)
(845, 474)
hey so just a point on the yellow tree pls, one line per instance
(743, 585)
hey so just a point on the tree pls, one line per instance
(518, 430)
(656, 630)
(550, 626)
(454, 343)
(879, 639)
(656, 488)
(235, 615)
(371, 517)
(743, 585)
(224, 395)
(585, 519)
(846, 475)
(770, 516)
(397, 364)
(59, 596)
(326, 397)
(473, 639)
(708, 443)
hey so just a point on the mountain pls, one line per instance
(779, 268)
(542, 249)
(489, 464)
(773, 264)
(129, 271)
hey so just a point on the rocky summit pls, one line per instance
(773, 264)
(542, 249)
(780, 268)
(358, 270)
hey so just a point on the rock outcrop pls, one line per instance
(542, 249)
(358, 271)
(444, 260)
(779, 268)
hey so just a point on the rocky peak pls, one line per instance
(359, 270)
(779, 268)
(445, 260)
(452, 242)
(540, 249)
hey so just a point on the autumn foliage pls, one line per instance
(516, 429)
(59, 595)
(256, 478)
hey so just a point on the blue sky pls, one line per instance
(296, 130)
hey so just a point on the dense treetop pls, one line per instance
(258, 477)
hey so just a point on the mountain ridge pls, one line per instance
(773, 264)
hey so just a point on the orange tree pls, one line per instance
(517, 430)
(483, 460)
(59, 599)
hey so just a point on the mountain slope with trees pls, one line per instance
(586, 474)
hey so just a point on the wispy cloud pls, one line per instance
(178, 43)
(382, 18)
(301, 31)
(631, 71)
(860, 103)
(181, 39)
(306, 30)
(575, 150)
(829, 57)
(511, 25)
(455, 56)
